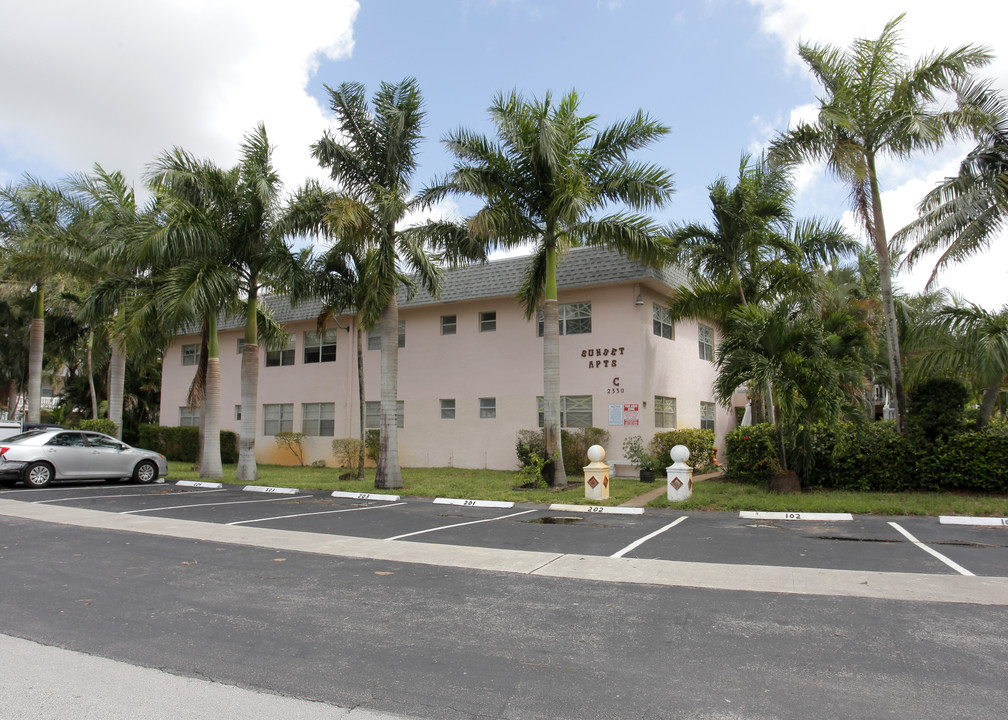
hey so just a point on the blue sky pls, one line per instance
(117, 82)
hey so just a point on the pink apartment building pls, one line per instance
(470, 367)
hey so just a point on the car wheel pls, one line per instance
(145, 472)
(38, 475)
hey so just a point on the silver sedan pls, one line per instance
(40, 456)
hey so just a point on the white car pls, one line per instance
(39, 457)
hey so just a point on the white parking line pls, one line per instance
(821, 517)
(638, 543)
(77, 497)
(322, 512)
(471, 522)
(230, 502)
(951, 563)
(68, 488)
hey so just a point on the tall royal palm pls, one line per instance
(238, 217)
(541, 181)
(33, 221)
(965, 212)
(372, 159)
(877, 105)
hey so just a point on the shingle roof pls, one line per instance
(500, 278)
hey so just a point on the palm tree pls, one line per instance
(33, 217)
(541, 182)
(372, 160)
(966, 340)
(964, 213)
(754, 253)
(877, 105)
(237, 217)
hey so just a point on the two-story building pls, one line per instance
(471, 367)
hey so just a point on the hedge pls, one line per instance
(701, 446)
(574, 445)
(875, 457)
(181, 443)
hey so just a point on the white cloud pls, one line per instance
(928, 26)
(119, 81)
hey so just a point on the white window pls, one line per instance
(372, 414)
(374, 337)
(575, 411)
(189, 417)
(320, 347)
(278, 418)
(488, 321)
(448, 409)
(318, 419)
(664, 412)
(276, 358)
(707, 415)
(663, 325)
(190, 354)
(237, 412)
(448, 324)
(706, 335)
(488, 408)
(575, 319)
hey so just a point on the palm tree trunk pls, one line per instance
(881, 243)
(990, 397)
(247, 470)
(117, 382)
(35, 340)
(360, 394)
(210, 465)
(551, 373)
(388, 475)
(90, 375)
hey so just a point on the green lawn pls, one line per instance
(707, 494)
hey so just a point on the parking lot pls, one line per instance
(867, 543)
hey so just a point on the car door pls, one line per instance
(107, 457)
(69, 454)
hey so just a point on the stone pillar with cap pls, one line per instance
(596, 475)
(679, 474)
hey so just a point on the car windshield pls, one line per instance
(23, 436)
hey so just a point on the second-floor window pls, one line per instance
(488, 321)
(706, 337)
(276, 358)
(448, 324)
(374, 337)
(320, 346)
(575, 318)
(190, 354)
(663, 325)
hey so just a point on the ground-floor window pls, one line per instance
(708, 413)
(575, 411)
(372, 414)
(664, 412)
(318, 419)
(189, 417)
(278, 418)
(448, 409)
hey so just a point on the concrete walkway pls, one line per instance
(659, 490)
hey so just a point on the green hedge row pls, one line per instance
(875, 457)
(181, 443)
(574, 445)
(701, 446)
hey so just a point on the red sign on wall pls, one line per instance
(631, 412)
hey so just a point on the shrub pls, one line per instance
(372, 444)
(971, 460)
(936, 407)
(182, 443)
(749, 453)
(102, 425)
(575, 444)
(293, 441)
(701, 444)
(633, 450)
(873, 456)
(347, 453)
(527, 444)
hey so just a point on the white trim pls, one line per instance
(364, 496)
(593, 509)
(474, 503)
(821, 517)
(981, 521)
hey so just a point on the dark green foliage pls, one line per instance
(936, 407)
(749, 453)
(575, 444)
(372, 444)
(182, 443)
(872, 456)
(701, 446)
(875, 457)
(102, 425)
